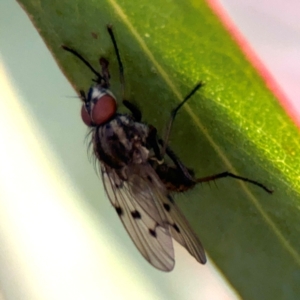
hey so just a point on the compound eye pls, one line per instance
(103, 110)
(86, 118)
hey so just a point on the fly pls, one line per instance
(137, 180)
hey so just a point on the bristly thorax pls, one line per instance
(121, 141)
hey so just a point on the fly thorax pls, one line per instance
(123, 140)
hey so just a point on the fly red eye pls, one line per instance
(104, 109)
(86, 118)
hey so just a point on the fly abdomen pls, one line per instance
(173, 178)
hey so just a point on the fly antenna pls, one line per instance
(74, 52)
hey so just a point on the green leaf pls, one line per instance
(234, 123)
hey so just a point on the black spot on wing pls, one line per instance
(183, 233)
(152, 232)
(135, 214)
(119, 211)
(176, 228)
(167, 207)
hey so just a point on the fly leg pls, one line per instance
(228, 174)
(153, 142)
(121, 68)
(180, 166)
(160, 147)
(188, 176)
(136, 113)
(164, 143)
(174, 113)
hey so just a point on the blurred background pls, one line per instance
(272, 30)
(59, 236)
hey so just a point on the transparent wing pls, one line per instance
(150, 215)
(165, 205)
(136, 202)
(182, 232)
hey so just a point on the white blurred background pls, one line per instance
(59, 236)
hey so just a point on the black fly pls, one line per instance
(137, 180)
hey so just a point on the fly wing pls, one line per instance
(182, 232)
(137, 202)
(165, 205)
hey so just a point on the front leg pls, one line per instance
(185, 171)
(135, 111)
(153, 143)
